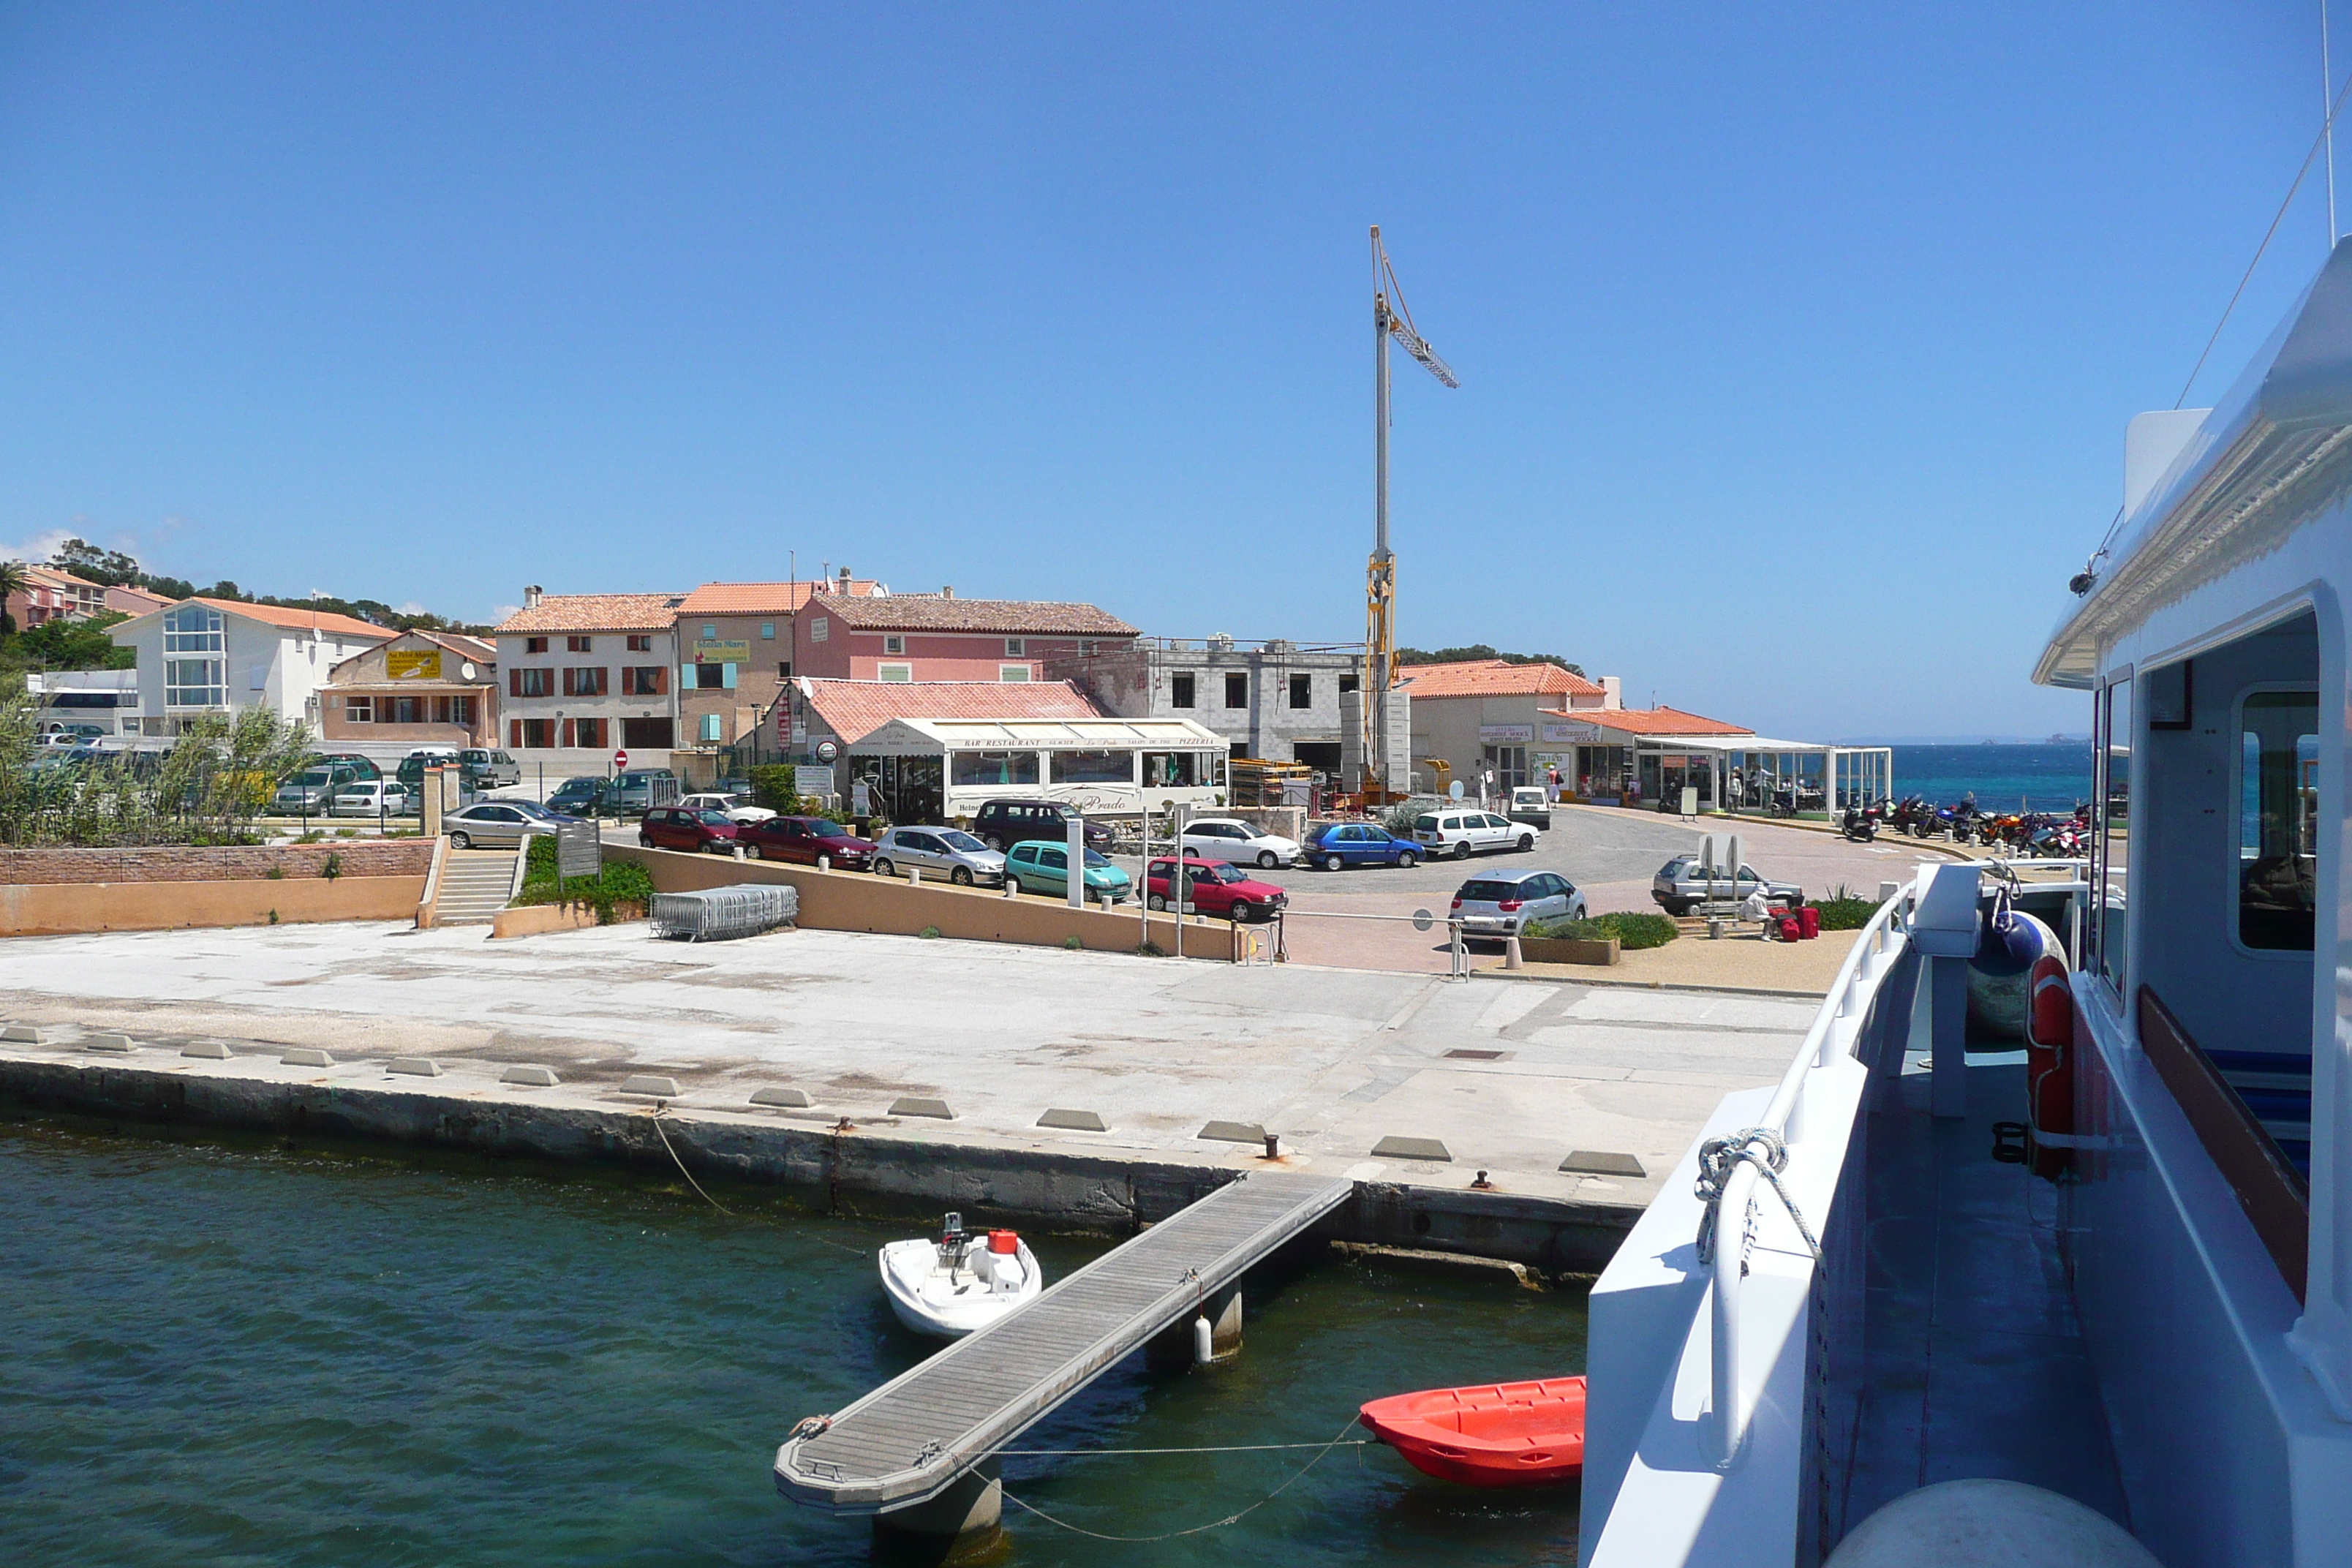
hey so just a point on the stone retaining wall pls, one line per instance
(236, 863)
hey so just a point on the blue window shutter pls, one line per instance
(727, 679)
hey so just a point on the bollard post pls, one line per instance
(1511, 952)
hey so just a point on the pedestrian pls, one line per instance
(1552, 784)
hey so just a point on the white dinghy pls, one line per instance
(960, 1283)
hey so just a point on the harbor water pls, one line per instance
(240, 1352)
(2045, 776)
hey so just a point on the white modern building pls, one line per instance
(221, 656)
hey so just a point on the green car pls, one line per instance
(1039, 867)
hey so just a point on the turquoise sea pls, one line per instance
(241, 1352)
(2045, 776)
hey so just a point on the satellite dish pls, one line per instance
(466, 671)
(1423, 920)
(1454, 790)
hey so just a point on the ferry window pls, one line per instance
(2278, 819)
(1172, 770)
(2112, 830)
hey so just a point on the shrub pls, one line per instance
(1633, 932)
(1845, 909)
(333, 868)
(619, 882)
(929, 932)
(276, 873)
(774, 786)
(1073, 944)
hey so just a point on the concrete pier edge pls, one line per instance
(1115, 1194)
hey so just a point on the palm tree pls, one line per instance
(13, 582)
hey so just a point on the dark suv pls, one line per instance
(1001, 824)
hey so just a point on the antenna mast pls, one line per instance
(1388, 320)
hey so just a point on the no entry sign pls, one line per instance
(620, 759)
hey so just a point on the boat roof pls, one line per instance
(2263, 462)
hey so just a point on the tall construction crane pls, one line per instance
(1380, 592)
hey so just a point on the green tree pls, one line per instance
(13, 582)
(1478, 650)
(91, 564)
(75, 644)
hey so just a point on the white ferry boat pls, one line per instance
(2135, 1318)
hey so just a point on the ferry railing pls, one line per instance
(1835, 1030)
(1877, 947)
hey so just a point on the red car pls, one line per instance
(685, 828)
(1217, 889)
(804, 838)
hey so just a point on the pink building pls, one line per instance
(53, 596)
(938, 637)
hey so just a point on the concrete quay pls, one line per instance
(1408, 1086)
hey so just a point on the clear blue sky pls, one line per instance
(1796, 347)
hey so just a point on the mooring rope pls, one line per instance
(1198, 1528)
(682, 1171)
(1718, 1157)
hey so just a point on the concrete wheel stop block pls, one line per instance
(650, 1083)
(1603, 1163)
(24, 1034)
(530, 1077)
(914, 1105)
(1074, 1120)
(207, 1050)
(307, 1057)
(1234, 1133)
(414, 1067)
(789, 1099)
(121, 1045)
(1395, 1148)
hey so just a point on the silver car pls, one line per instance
(371, 797)
(1501, 903)
(1682, 885)
(938, 852)
(503, 824)
(308, 792)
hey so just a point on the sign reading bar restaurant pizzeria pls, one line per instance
(412, 664)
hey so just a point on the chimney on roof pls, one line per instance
(845, 582)
(1613, 691)
(531, 594)
(947, 591)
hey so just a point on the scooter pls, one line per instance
(1861, 823)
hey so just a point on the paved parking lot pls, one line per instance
(1609, 854)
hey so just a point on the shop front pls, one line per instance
(944, 770)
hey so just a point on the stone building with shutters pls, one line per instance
(737, 652)
(583, 676)
(420, 688)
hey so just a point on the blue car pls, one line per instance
(1344, 844)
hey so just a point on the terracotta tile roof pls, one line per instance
(464, 647)
(58, 577)
(123, 596)
(1493, 678)
(1016, 617)
(760, 598)
(1652, 722)
(594, 613)
(294, 619)
(855, 708)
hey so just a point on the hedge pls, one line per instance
(775, 786)
(1633, 932)
(618, 882)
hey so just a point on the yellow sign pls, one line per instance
(707, 651)
(412, 665)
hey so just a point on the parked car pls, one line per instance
(1036, 867)
(803, 839)
(1342, 843)
(1241, 843)
(686, 828)
(1463, 834)
(1001, 824)
(1213, 888)
(639, 789)
(733, 804)
(489, 769)
(1680, 885)
(583, 796)
(370, 798)
(1531, 804)
(411, 767)
(939, 851)
(500, 824)
(309, 791)
(361, 767)
(1501, 903)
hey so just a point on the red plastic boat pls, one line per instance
(1503, 1434)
